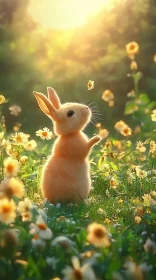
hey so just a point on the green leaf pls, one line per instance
(151, 105)
(113, 166)
(143, 99)
(138, 76)
(99, 162)
(130, 107)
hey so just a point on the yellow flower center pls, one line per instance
(10, 167)
(6, 208)
(77, 274)
(9, 191)
(132, 47)
(99, 233)
(18, 138)
(126, 130)
(36, 236)
(26, 215)
(44, 133)
(62, 217)
(42, 226)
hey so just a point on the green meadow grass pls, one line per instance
(113, 207)
(111, 233)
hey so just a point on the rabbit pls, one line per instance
(66, 173)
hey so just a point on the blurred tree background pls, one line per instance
(32, 58)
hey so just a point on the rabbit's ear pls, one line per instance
(53, 97)
(45, 105)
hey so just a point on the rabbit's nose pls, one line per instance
(85, 111)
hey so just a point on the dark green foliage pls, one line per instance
(32, 60)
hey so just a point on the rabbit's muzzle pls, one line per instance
(85, 112)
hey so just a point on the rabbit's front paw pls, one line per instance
(98, 138)
(94, 140)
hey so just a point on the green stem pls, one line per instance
(40, 155)
(136, 88)
(2, 169)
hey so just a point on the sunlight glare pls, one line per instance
(64, 14)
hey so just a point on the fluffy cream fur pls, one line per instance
(66, 174)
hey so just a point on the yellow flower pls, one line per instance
(139, 211)
(17, 127)
(23, 159)
(137, 219)
(119, 125)
(142, 157)
(120, 201)
(11, 187)
(2, 99)
(153, 193)
(98, 235)
(15, 110)
(30, 145)
(117, 144)
(20, 138)
(107, 95)
(153, 116)
(41, 229)
(90, 85)
(24, 206)
(7, 210)
(133, 65)
(136, 201)
(126, 130)
(154, 58)
(26, 216)
(77, 272)
(107, 221)
(132, 48)
(100, 211)
(11, 167)
(62, 218)
(148, 200)
(103, 133)
(141, 173)
(140, 147)
(152, 147)
(98, 125)
(44, 134)
(113, 184)
(88, 254)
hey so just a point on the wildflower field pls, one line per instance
(109, 235)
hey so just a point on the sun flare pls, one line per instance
(64, 14)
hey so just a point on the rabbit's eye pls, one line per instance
(70, 113)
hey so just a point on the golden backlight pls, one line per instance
(64, 14)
